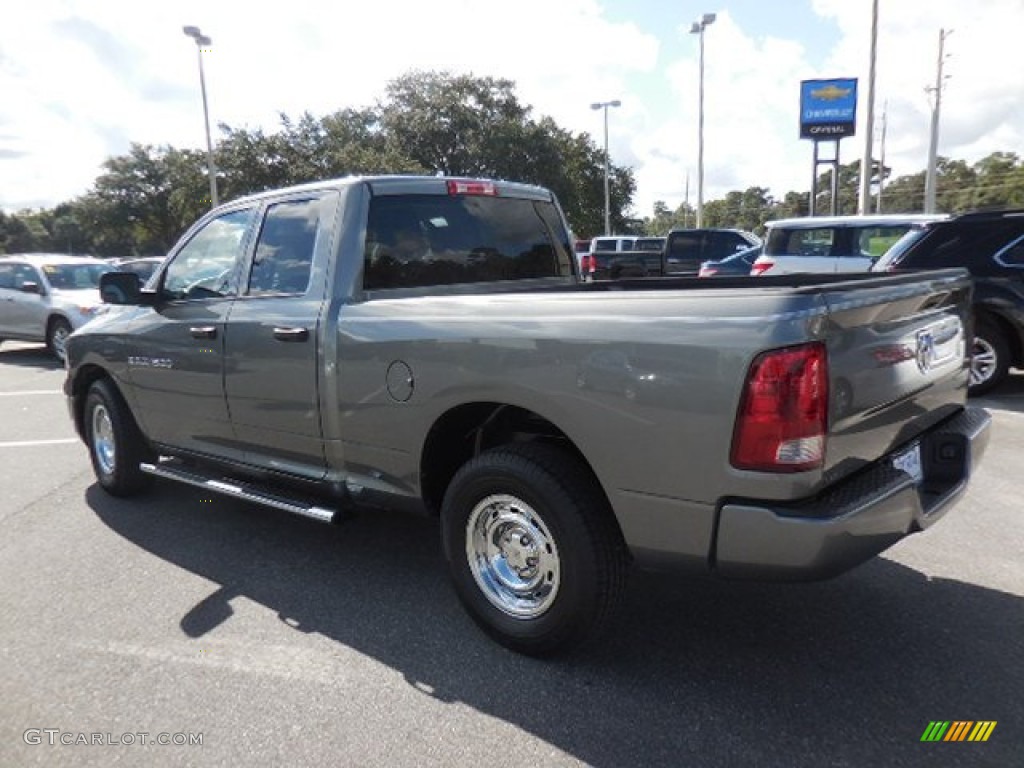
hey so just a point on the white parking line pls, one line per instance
(33, 392)
(31, 443)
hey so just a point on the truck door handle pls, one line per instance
(203, 331)
(291, 334)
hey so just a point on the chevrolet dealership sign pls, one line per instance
(828, 108)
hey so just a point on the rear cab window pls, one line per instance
(425, 240)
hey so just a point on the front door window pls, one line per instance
(207, 266)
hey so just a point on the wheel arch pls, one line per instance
(466, 430)
(53, 317)
(84, 379)
(986, 314)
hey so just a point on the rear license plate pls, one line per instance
(910, 462)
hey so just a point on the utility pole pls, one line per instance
(933, 146)
(881, 162)
(866, 162)
(686, 202)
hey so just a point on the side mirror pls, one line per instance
(120, 288)
(30, 286)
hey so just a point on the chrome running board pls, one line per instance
(245, 491)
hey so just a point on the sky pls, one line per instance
(82, 79)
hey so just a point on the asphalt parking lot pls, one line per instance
(279, 640)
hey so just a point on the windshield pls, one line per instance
(73, 277)
(892, 257)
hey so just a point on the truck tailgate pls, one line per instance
(898, 364)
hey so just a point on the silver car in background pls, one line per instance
(834, 244)
(44, 297)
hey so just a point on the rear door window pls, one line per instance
(424, 240)
(284, 250)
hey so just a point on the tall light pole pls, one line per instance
(933, 144)
(698, 28)
(211, 167)
(607, 197)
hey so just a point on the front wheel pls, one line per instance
(116, 446)
(533, 548)
(57, 337)
(990, 362)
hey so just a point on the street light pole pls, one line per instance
(607, 196)
(698, 28)
(211, 167)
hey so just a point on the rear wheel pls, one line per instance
(116, 446)
(57, 333)
(533, 548)
(990, 359)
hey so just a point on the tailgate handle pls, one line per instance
(291, 334)
(203, 331)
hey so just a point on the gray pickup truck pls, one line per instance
(427, 343)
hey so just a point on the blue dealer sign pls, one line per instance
(828, 108)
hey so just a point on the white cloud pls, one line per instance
(82, 79)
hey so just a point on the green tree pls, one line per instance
(468, 126)
(143, 200)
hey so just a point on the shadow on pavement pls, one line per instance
(1007, 397)
(26, 356)
(842, 673)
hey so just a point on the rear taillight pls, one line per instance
(782, 418)
(456, 187)
(760, 267)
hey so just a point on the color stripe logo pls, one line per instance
(958, 730)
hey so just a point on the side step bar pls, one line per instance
(244, 491)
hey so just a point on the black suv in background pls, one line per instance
(991, 246)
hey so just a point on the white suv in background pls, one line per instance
(832, 243)
(45, 297)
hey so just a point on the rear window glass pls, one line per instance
(875, 241)
(891, 258)
(800, 242)
(684, 245)
(423, 240)
(75, 276)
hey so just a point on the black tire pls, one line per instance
(990, 359)
(109, 423)
(543, 499)
(57, 332)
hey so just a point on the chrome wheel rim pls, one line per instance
(512, 556)
(983, 361)
(60, 340)
(103, 439)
